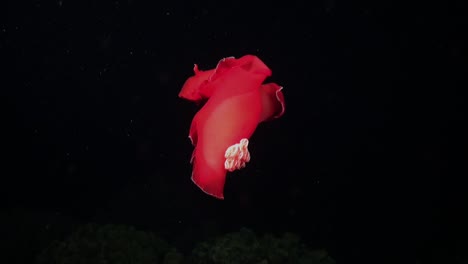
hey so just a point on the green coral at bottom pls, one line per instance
(245, 247)
(119, 244)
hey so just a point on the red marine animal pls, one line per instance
(236, 102)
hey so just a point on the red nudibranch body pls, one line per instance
(236, 102)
